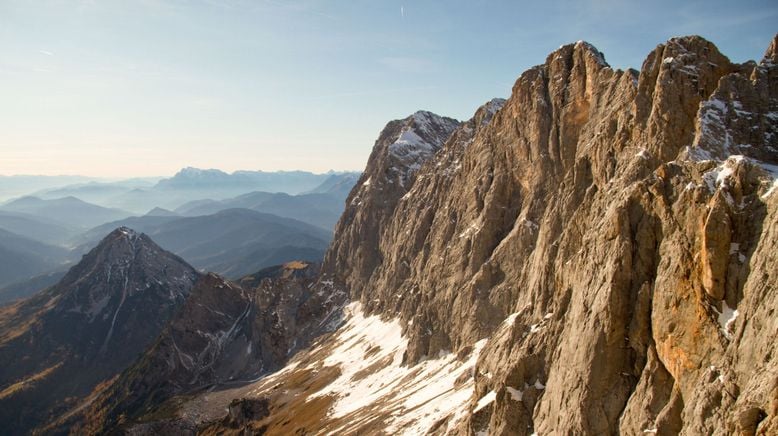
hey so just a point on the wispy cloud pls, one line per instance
(46, 52)
(402, 11)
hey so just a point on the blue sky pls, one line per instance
(138, 88)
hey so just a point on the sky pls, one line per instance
(122, 88)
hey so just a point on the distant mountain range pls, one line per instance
(67, 211)
(337, 184)
(39, 228)
(276, 228)
(22, 258)
(96, 191)
(142, 194)
(15, 186)
(320, 207)
(192, 184)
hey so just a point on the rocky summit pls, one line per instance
(594, 255)
(57, 347)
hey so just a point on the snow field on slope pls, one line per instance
(373, 381)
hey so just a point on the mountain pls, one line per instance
(68, 211)
(15, 186)
(321, 206)
(22, 258)
(39, 228)
(260, 320)
(158, 211)
(57, 347)
(338, 185)
(318, 209)
(595, 255)
(97, 192)
(280, 181)
(192, 184)
(399, 153)
(27, 287)
(232, 242)
(236, 242)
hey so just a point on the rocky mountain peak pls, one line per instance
(771, 55)
(127, 264)
(582, 49)
(91, 325)
(401, 150)
(419, 137)
(485, 113)
(675, 78)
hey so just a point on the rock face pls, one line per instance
(58, 346)
(611, 235)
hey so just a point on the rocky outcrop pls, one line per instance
(58, 346)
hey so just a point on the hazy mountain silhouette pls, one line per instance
(69, 211)
(22, 258)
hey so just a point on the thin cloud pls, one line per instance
(402, 11)
(46, 52)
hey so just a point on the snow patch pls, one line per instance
(511, 318)
(369, 354)
(485, 401)
(727, 319)
(516, 395)
(720, 175)
(772, 171)
(531, 225)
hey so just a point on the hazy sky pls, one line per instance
(138, 88)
